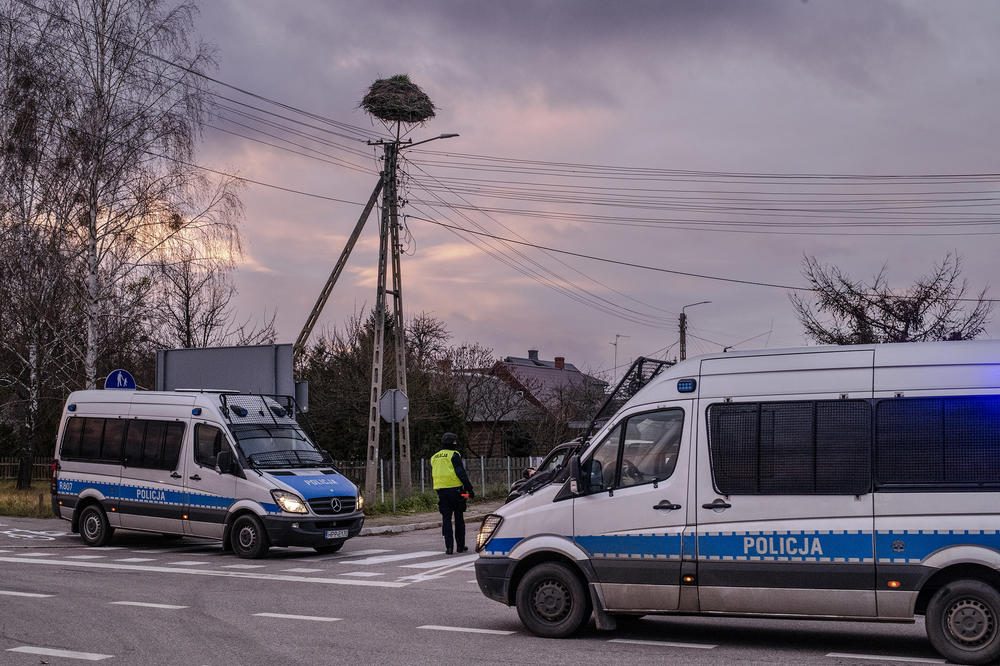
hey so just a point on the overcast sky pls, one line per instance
(779, 87)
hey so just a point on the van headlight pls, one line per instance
(289, 502)
(486, 531)
(361, 502)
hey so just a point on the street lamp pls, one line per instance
(683, 322)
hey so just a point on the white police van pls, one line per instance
(857, 482)
(206, 464)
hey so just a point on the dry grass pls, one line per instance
(24, 503)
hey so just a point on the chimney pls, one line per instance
(532, 354)
(560, 362)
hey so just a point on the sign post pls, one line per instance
(120, 380)
(393, 406)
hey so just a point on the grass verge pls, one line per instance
(25, 503)
(425, 502)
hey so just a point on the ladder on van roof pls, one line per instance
(638, 375)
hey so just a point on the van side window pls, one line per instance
(71, 438)
(133, 443)
(114, 432)
(207, 444)
(791, 448)
(602, 467)
(153, 444)
(652, 442)
(90, 443)
(944, 441)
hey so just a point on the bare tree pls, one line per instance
(37, 306)
(192, 303)
(129, 133)
(936, 307)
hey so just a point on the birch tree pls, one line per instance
(136, 109)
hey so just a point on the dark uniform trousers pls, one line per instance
(450, 501)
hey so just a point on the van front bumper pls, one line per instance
(311, 530)
(493, 575)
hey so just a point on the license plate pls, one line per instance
(336, 534)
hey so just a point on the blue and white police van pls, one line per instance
(858, 482)
(199, 463)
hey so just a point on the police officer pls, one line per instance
(450, 478)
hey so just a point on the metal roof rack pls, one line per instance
(207, 390)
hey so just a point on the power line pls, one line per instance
(659, 269)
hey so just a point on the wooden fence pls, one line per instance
(40, 468)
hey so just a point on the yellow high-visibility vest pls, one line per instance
(442, 471)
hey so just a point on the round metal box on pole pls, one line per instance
(393, 407)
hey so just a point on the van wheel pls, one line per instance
(248, 538)
(329, 548)
(94, 527)
(963, 622)
(551, 601)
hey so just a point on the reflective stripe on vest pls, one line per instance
(442, 471)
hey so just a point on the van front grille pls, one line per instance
(331, 506)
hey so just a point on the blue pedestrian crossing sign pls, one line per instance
(120, 379)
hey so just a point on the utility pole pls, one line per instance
(389, 260)
(683, 328)
(388, 253)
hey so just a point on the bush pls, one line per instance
(24, 503)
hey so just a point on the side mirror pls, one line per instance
(577, 485)
(224, 461)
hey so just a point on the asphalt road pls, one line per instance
(390, 599)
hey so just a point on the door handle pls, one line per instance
(195, 477)
(718, 504)
(175, 475)
(667, 505)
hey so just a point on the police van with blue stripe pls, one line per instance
(858, 482)
(213, 464)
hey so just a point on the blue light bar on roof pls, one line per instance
(686, 385)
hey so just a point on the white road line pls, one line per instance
(301, 570)
(148, 552)
(187, 563)
(137, 559)
(252, 575)
(884, 657)
(52, 652)
(358, 553)
(283, 616)
(361, 574)
(464, 559)
(34, 595)
(146, 604)
(381, 559)
(467, 630)
(35, 555)
(243, 566)
(472, 581)
(4, 551)
(697, 646)
(86, 557)
(108, 547)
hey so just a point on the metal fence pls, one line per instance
(40, 468)
(485, 473)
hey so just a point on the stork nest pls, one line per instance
(397, 99)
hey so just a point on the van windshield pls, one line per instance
(277, 446)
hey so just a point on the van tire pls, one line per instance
(248, 538)
(94, 527)
(326, 549)
(551, 601)
(963, 622)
